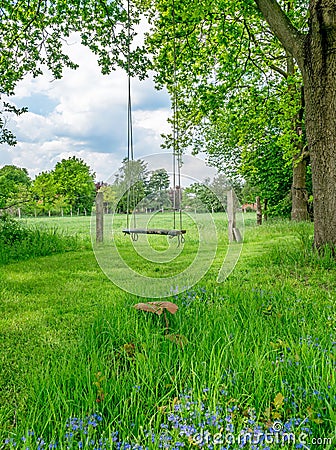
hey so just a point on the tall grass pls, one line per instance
(81, 365)
(21, 242)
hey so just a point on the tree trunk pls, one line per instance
(299, 191)
(259, 211)
(320, 94)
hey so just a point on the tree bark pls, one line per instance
(259, 211)
(299, 190)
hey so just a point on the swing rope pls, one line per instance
(177, 156)
(130, 146)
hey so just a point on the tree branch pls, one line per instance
(282, 27)
(279, 70)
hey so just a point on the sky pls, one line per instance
(84, 114)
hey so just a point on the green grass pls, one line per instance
(76, 225)
(71, 344)
(22, 241)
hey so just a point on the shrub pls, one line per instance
(19, 242)
(11, 231)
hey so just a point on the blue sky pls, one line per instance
(85, 114)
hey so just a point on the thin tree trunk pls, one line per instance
(259, 211)
(299, 190)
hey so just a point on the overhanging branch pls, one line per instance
(282, 27)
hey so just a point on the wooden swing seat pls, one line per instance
(159, 231)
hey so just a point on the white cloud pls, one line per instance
(32, 127)
(155, 122)
(84, 114)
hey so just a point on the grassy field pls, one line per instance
(77, 225)
(252, 356)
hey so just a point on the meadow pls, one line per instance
(247, 363)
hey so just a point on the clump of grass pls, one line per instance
(20, 242)
(288, 244)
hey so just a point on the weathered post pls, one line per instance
(234, 233)
(100, 217)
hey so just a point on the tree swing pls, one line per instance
(133, 231)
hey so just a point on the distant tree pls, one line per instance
(271, 177)
(69, 187)
(44, 192)
(60, 204)
(14, 184)
(157, 189)
(190, 200)
(209, 195)
(75, 182)
(130, 184)
(220, 186)
(110, 197)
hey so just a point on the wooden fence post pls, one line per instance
(100, 217)
(234, 233)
